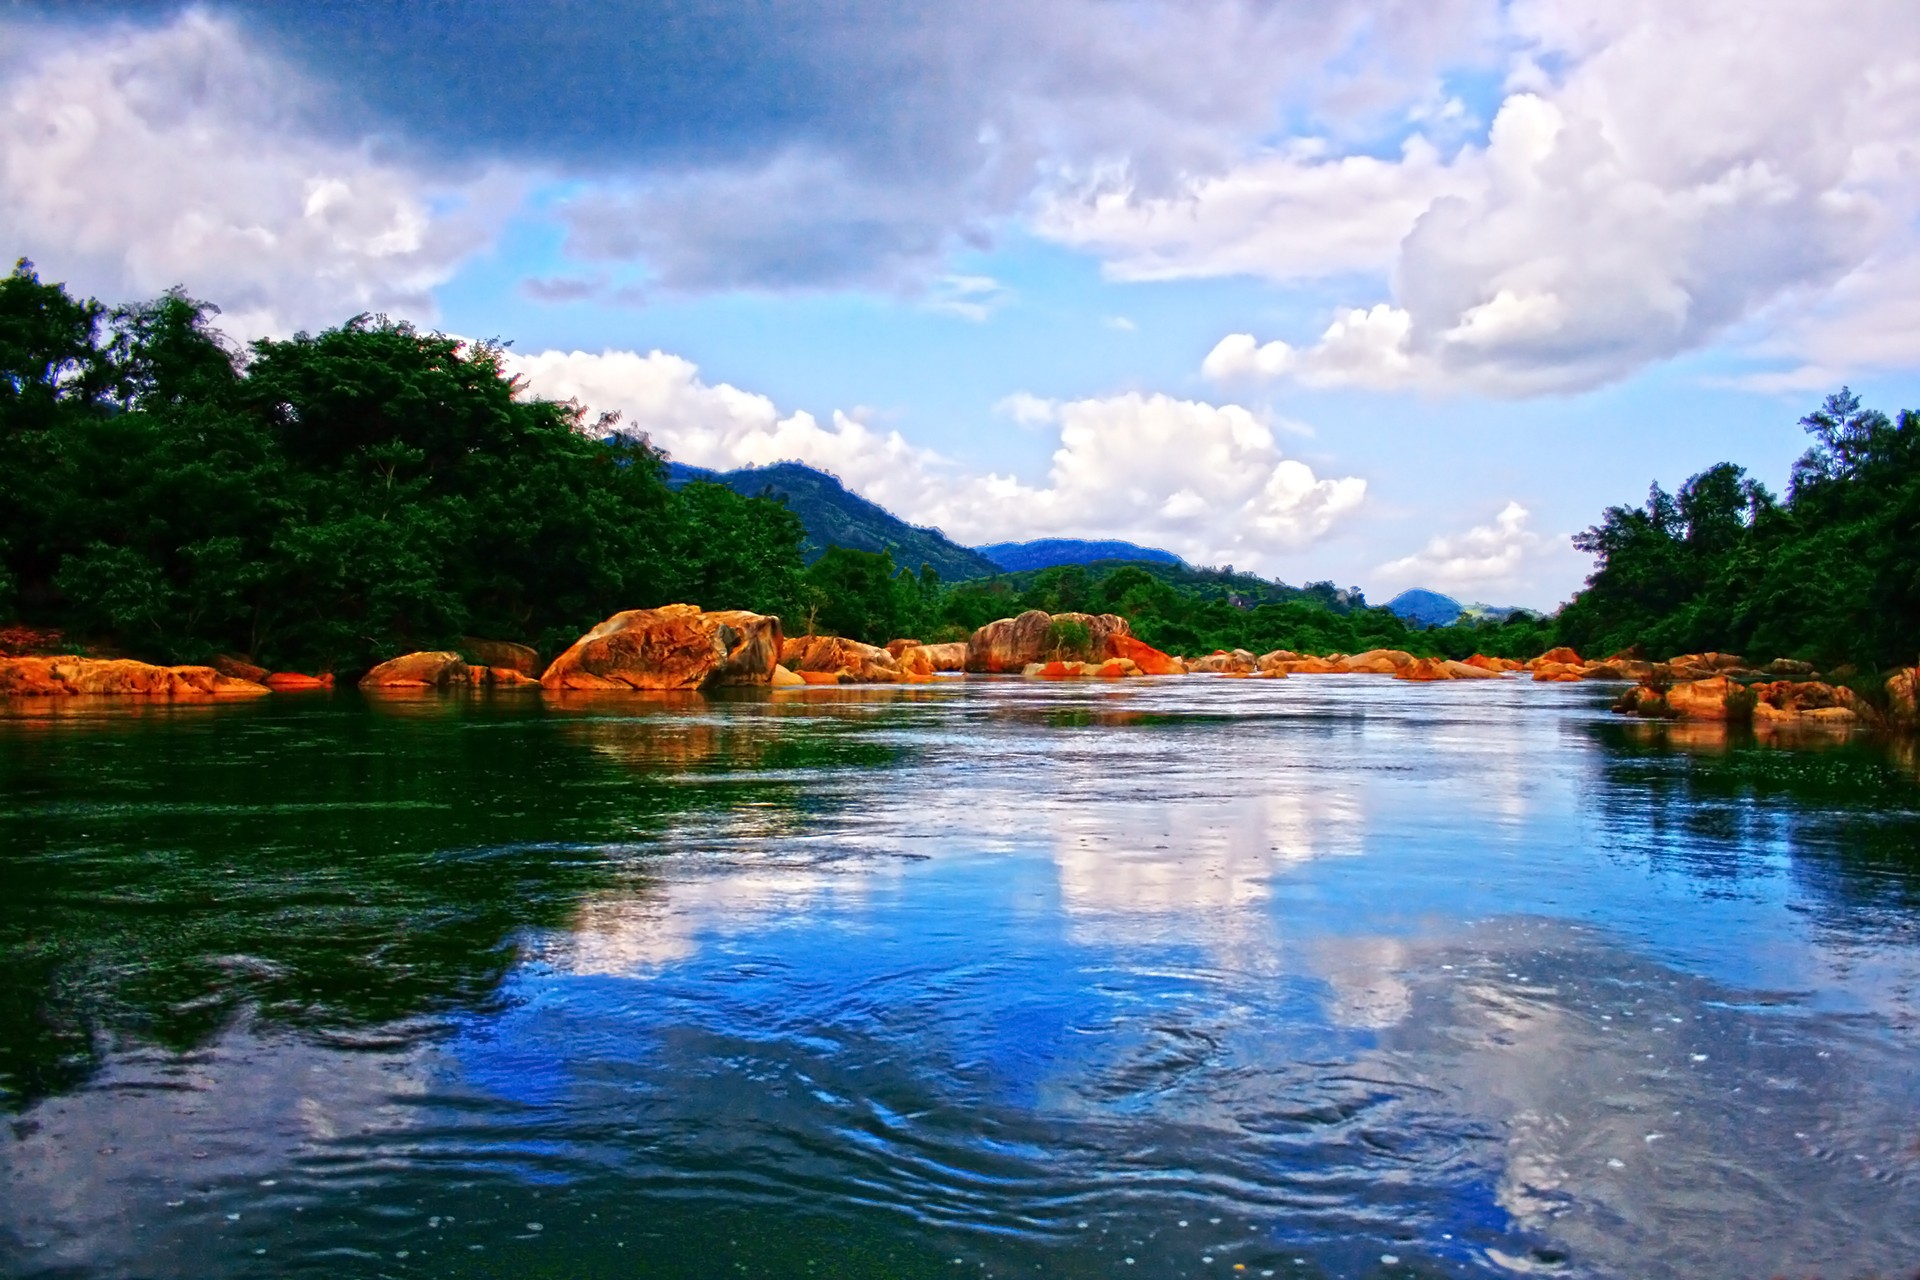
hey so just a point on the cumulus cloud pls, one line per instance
(796, 146)
(1655, 178)
(1207, 481)
(1506, 555)
(134, 159)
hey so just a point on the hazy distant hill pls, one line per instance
(835, 517)
(1431, 609)
(1426, 608)
(1044, 553)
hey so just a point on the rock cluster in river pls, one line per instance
(67, 675)
(677, 646)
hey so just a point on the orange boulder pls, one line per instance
(429, 669)
(66, 675)
(1148, 659)
(851, 661)
(677, 646)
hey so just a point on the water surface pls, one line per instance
(1326, 977)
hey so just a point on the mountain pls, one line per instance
(1045, 553)
(1431, 609)
(835, 517)
(1425, 608)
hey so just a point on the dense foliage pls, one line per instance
(1830, 574)
(329, 500)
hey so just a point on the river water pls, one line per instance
(1321, 977)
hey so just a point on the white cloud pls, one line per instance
(133, 159)
(1505, 556)
(1673, 174)
(970, 297)
(1207, 481)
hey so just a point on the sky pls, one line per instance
(1392, 293)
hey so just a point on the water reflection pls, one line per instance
(1290, 976)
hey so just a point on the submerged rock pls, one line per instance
(428, 669)
(677, 646)
(1226, 663)
(501, 653)
(66, 675)
(848, 660)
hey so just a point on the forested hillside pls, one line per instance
(329, 500)
(1829, 573)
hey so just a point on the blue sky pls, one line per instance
(1394, 294)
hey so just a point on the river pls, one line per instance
(1323, 977)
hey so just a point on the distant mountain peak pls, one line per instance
(1046, 553)
(836, 516)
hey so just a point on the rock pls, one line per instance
(1785, 703)
(1467, 671)
(896, 647)
(951, 656)
(1562, 656)
(295, 682)
(237, 668)
(913, 662)
(1704, 699)
(784, 679)
(1552, 672)
(853, 662)
(502, 678)
(1111, 669)
(500, 653)
(1149, 660)
(1013, 644)
(1277, 660)
(431, 669)
(677, 646)
(1788, 667)
(1425, 669)
(1615, 669)
(1379, 662)
(1220, 662)
(818, 677)
(1903, 696)
(66, 675)
(1495, 665)
(1643, 700)
(1313, 667)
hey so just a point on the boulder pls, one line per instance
(914, 663)
(677, 646)
(1468, 671)
(1556, 672)
(66, 675)
(784, 679)
(851, 661)
(236, 667)
(430, 669)
(1313, 667)
(1013, 644)
(1149, 660)
(1784, 703)
(1111, 669)
(1704, 699)
(296, 682)
(1426, 669)
(896, 647)
(1221, 662)
(1495, 665)
(1379, 662)
(1903, 696)
(818, 677)
(951, 656)
(502, 678)
(1789, 667)
(1562, 655)
(500, 653)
